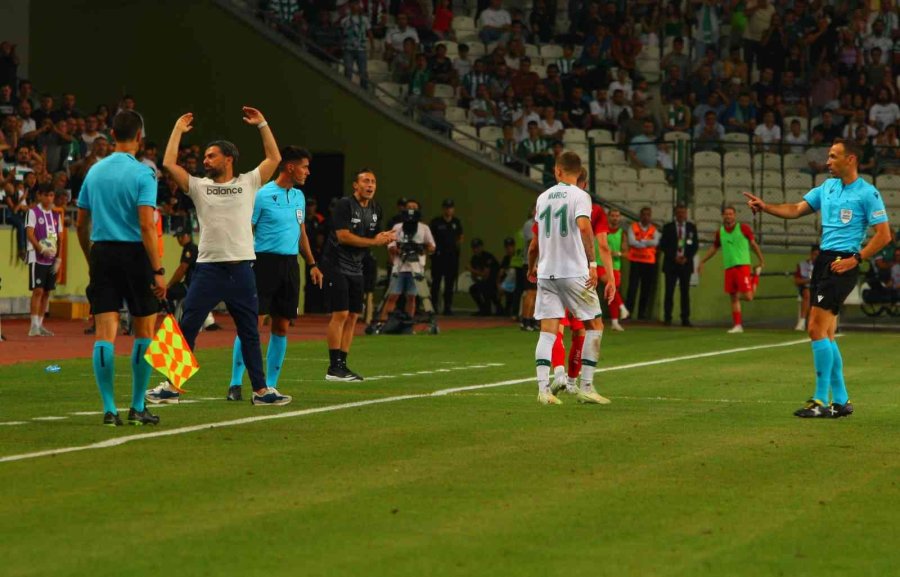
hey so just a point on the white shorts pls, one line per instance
(554, 296)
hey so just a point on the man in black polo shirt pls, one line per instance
(448, 234)
(181, 278)
(484, 269)
(355, 222)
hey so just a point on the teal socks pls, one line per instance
(140, 373)
(237, 364)
(104, 371)
(274, 359)
(823, 360)
(838, 387)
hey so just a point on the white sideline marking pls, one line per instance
(331, 408)
(48, 418)
(11, 423)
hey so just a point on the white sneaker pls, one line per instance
(623, 313)
(163, 394)
(45, 332)
(616, 326)
(590, 396)
(35, 332)
(736, 329)
(801, 325)
(548, 398)
(560, 382)
(572, 385)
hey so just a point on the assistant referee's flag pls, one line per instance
(169, 354)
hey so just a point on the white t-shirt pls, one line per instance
(495, 18)
(768, 135)
(884, 114)
(396, 37)
(797, 142)
(225, 211)
(561, 252)
(28, 125)
(522, 129)
(423, 236)
(550, 129)
(627, 88)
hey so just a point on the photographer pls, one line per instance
(413, 242)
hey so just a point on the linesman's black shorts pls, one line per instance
(343, 292)
(828, 290)
(121, 271)
(277, 284)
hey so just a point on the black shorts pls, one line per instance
(343, 292)
(121, 271)
(278, 284)
(41, 276)
(828, 290)
(370, 272)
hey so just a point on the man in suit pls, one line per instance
(679, 244)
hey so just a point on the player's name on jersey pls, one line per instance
(224, 190)
(557, 194)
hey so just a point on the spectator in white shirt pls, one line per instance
(494, 22)
(884, 112)
(602, 111)
(795, 139)
(880, 40)
(768, 133)
(618, 106)
(859, 119)
(396, 35)
(550, 126)
(462, 64)
(623, 83)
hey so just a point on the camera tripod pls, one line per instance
(399, 322)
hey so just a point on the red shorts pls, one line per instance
(737, 279)
(571, 322)
(601, 272)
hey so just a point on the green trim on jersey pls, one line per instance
(735, 246)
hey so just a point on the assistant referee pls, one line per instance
(117, 233)
(849, 206)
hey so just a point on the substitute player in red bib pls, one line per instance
(736, 241)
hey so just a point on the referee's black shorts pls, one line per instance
(828, 290)
(121, 271)
(278, 284)
(343, 292)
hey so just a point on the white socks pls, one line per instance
(542, 354)
(590, 352)
(36, 321)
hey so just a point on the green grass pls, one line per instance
(697, 468)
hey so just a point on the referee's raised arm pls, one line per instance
(270, 163)
(170, 158)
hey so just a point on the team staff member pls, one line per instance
(42, 224)
(848, 206)
(618, 245)
(679, 244)
(279, 215)
(118, 237)
(354, 229)
(224, 204)
(448, 237)
(736, 242)
(643, 238)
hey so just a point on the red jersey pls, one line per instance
(598, 219)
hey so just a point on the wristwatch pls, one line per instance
(858, 257)
(161, 271)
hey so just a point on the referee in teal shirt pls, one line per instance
(848, 206)
(279, 213)
(117, 234)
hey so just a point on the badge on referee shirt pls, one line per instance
(846, 215)
(300, 215)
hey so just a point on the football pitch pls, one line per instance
(443, 463)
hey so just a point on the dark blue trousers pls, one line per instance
(235, 284)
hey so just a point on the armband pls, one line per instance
(592, 265)
(262, 124)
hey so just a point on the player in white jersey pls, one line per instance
(561, 256)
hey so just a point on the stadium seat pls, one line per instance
(736, 141)
(794, 161)
(540, 70)
(708, 178)
(708, 159)
(611, 156)
(490, 134)
(455, 114)
(794, 194)
(797, 179)
(463, 24)
(662, 211)
(378, 70)
(821, 177)
(624, 174)
(676, 135)
(452, 48)
(551, 52)
(476, 49)
(736, 159)
(623, 192)
(655, 192)
(646, 175)
(768, 179)
(444, 91)
(888, 182)
(708, 196)
(393, 90)
(894, 214)
(532, 51)
(738, 177)
(867, 177)
(536, 174)
(766, 161)
(574, 135)
(601, 136)
(891, 199)
(708, 213)
(804, 124)
(466, 136)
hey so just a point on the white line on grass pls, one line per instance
(331, 408)
(11, 423)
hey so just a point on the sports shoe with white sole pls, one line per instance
(559, 384)
(590, 396)
(342, 374)
(548, 398)
(616, 326)
(623, 313)
(34, 332)
(801, 325)
(736, 329)
(162, 395)
(271, 397)
(46, 332)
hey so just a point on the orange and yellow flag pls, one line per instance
(169, 354)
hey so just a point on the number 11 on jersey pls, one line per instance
(561, 214)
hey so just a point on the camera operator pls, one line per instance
(414, 241)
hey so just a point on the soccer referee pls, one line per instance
(117, 234)
(279, 215)
(849, 206)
